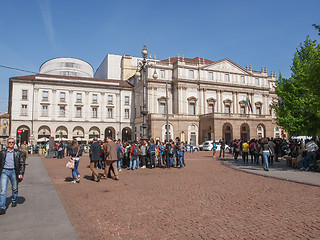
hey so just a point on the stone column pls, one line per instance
(237, 102)
(219, 101)
(103, 107)
(252, 102)
(70, 108)
(54, 105)
(86, 106)
(118, 109)
(36, 105)
(234, 102)
(205, 105)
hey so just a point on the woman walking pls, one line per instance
(265, 153)
(75, 156)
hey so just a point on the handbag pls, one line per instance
(70, 164)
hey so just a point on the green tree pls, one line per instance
(298, 107)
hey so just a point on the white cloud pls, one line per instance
(46, 15)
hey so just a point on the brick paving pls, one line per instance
(205, 200)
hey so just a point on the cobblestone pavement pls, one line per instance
(204, 200)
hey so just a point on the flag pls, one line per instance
(248, 103)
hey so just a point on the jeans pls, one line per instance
(152, 154)
(312, 158)
(245, 156)
(132, 164)
(265, 155)
(181, 161)
(5, 176)
(119, 163)
(222, 150)
(75, 170)
(137, 163)
(305, 162)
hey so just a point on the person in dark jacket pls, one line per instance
(11, 168)
(94, 158)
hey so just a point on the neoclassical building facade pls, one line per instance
(69, 103)
(206, 100)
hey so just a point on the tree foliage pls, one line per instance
(298, 108)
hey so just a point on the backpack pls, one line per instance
(120, 153)
(136, 151)
(170, 149)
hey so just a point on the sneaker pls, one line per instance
(143, 167)
(302, 169)
(74, 181)
(308, 169)
(2, 211)
(120, 170)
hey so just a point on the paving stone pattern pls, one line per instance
(205, 200)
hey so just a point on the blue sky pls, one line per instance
(260, 33)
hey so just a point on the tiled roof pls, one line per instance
(122, 83)
(193, 60)
(6, 115)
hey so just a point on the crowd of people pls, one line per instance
(267, 150)
(114, 155)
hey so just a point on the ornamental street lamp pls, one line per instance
(142, 71)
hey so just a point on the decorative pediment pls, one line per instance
(258, 104)
(162, 99)
(227, 101)
(242, 103)
(227, 66)
(192, 99)
(211, 100)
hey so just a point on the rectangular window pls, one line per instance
(109, 112)
(126, 100)
(162, 108)
(62, 96)
(62, 111)
(79, 112)
(258, 109)
(191, 74)
(210, 108)
(162, 74)
(257, 81)
(243, 80)
(94, 98)
(126, 113)
(227, 78)
(79, 97)
(94, 112)
(210, 75)
(192, 109)
(45, 95)
(4, 131)
(24, 110)
(24, 94)
(44, 111)
(242, 110)
(227, 109)
(110, 99)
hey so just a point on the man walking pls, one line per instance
(24, 150)
(95, 151)
(11, 168)
(110, 150)
(222, 147)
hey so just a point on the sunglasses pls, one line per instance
(10, 142)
